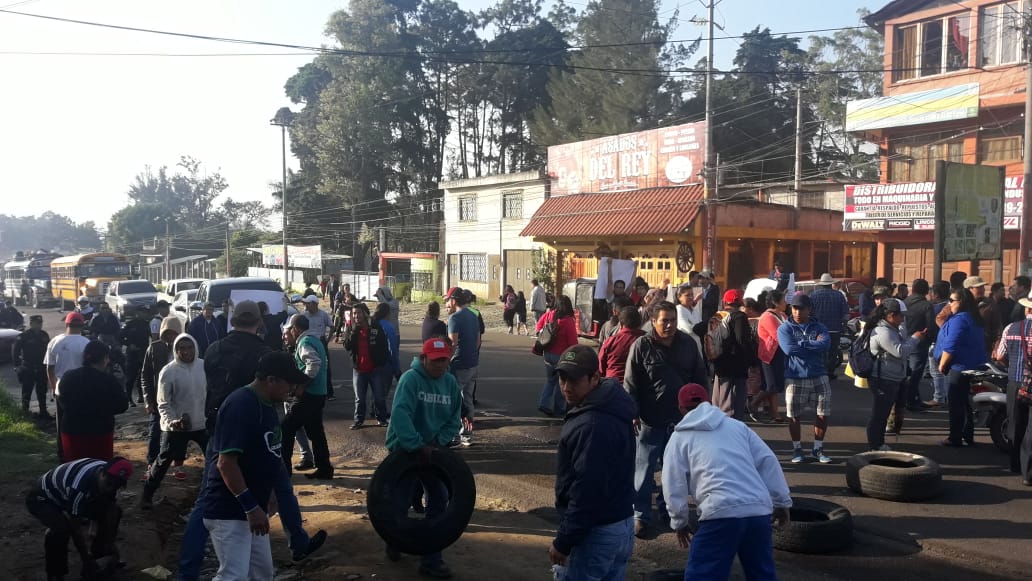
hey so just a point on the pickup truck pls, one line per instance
(130, 294)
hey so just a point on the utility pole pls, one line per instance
(798, 144)
(286, 273)
(1025, 238)
(168, 256)
(229, 265)
(710, 241)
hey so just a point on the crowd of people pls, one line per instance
(673, 384)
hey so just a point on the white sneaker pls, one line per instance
(466, 440)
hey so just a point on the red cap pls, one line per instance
(691, 395)
(436, 349)
(733, 297)
(120, 468)
(453, 293)
(74, 319)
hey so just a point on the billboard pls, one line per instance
(918, 108)
(969, 204)
(299, 256)
(911, 206)
(668, 156)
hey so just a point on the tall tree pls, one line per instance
(48, 231)
(617, 83)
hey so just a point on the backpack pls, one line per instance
(861, 360)
(717, 335)
(548, 333)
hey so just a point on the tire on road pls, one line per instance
(898, 476)
(998, 430)
(817, 527)
(390, 495)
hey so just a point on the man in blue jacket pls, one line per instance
(597, 445)
(806, 343)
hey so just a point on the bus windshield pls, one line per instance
(38, 272)
(104, 269)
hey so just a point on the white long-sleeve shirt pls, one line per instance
(724, 466)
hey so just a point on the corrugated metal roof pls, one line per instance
(638, 212)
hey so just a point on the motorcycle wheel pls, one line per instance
(998, 430)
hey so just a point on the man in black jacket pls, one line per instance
(105, 326)
(737, 355)
(158, 355)
(369, 354)
(136, 337)
(595, 537)
(710, 295)
(28, 353)
(658, 364)
(920, 316)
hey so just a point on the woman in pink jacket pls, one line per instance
(772, 358)
(551, 402)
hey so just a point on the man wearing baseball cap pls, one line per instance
(27, 356)
(596, 523)
(64, 353)
(65, 497)
(737, 353)
(246, 449)
(738, 483)
(426, 416)
(806, 343)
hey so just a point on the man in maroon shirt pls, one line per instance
(612, 358)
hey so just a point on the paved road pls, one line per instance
(979, 528)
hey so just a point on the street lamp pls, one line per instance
(284, 117)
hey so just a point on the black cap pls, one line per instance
(95, 352)
(577, 361)
(35, 318)
(802, 300)
(281, 364)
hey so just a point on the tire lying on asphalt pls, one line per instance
(390, 497)
(817, 526)
(898, 476)
(666, 575)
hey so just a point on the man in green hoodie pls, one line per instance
(427, 415)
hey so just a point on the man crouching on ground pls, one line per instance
(738, 482)
(426, 415)
(594, 486)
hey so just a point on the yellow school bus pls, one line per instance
(87, 275)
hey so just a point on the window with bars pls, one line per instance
(512, 204)
(468, 209)
(422, 281)
(912, 161)
(473, 267)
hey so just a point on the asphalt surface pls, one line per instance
(980, 527)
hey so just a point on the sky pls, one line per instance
(79, 128)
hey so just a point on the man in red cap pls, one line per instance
(426, 416)
(738, 483)
(64, 353)
(83, 490)
(735, 355)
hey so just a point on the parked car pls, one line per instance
(218, 291)
(132, 294)
(7, 339)
(176, 286)
(181, 305)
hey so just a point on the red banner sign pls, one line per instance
(669, 156)
(911, 206)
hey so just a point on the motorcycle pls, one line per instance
(989, 400)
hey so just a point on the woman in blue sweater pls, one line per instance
(960, 346)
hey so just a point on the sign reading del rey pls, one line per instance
(669, 156)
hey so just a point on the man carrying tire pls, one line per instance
(1012, 352)
(739, 485)
(596, 523)
(426, 415)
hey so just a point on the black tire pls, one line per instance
(817, 526)
(898, 476)
(998, 430)
(390, 489)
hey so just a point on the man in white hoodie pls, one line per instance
(182, 388)
(737, 481)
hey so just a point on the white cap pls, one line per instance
(310, 299)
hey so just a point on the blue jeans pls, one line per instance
(652, 441)
(363, 383)
(918, 363)
(938, 379)
(195, 535)
(603, 554)
(717, 542)
(551, 396)
(153, 438)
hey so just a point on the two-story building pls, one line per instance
(483, 218)
(954, 90)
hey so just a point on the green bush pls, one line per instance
(402, 291)
(25, 451)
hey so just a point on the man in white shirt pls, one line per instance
(538, 304)
(64, 353)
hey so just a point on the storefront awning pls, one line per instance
(651, 211)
